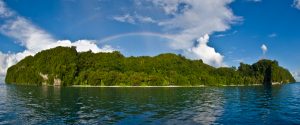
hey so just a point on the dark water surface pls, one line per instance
(255, 105)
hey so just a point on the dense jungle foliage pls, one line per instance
(110, 69)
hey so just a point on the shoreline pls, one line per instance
(242, 85)
(136, 86)
(199, 86)
(172, 86)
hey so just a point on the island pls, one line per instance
(64, 66)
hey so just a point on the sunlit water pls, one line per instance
(208, 105)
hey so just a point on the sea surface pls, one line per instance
(279, 104)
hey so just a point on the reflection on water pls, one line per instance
(208, 105)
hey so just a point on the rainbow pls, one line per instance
(110, 38)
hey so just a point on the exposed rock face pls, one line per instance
(45, 78)
(268, 76)
(57, 82)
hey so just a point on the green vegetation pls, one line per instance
(64, 66)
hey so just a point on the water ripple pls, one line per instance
(170, 106)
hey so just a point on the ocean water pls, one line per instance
(279, 104)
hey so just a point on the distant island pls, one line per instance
(64, 66)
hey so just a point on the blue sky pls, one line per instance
(236, 29)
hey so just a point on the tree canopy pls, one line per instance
(110, 69)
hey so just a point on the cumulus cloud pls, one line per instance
(187, 20)
(195, 18)
(296, 4)
(83, 45)
(34, 39)
(202, 51)
(264, 48)
(9, 59)
(192, 19)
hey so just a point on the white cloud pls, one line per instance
(145, 19)
(264, 48)
(296, 75)
(254, 1)
(194, 18)
(4, 12)
(169, 6)
(197, 18)
(125, 18)
(226, 34)
(27, 34)
(205, 52)
(272, 35)
(34, 39)
(84, 45)
(9, 59)
(133, 19)
(296, 4)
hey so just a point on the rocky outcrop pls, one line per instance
(57, 82)
(45, 78)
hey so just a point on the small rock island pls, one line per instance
(64, 66)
